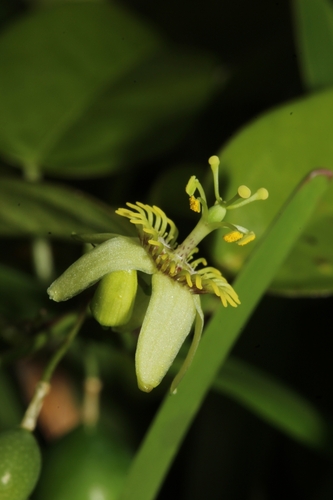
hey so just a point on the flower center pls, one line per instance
(158, 234)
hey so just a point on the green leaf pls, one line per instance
(272, 401)
(274, 152)
(45, 209)
(177, 412)
(314, 38)
(66, 56)
(101, 91)
(137, 116)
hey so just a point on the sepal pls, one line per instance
(118, 254)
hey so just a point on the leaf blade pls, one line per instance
(314, 37)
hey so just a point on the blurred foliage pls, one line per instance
(123, 101)
(100, 89)
(275, 151)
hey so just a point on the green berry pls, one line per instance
(86, 464)
(20, 463)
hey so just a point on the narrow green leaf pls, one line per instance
(177, 412)
(314, 37)
(45, 209)
(272, 401)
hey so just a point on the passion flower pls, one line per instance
(177, 278)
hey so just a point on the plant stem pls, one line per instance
(40, 246)
(92, 389)
(59, 354)
(31, 415)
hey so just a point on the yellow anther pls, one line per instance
(246, 239)
(191, 186)
(164, 266)
(194, 204)
(172, 268)
(244, 192)
(188, 280)
(233, 236)
(198, 282)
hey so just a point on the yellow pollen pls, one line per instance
(194, 204)
(233, 236)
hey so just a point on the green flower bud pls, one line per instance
(113, 302)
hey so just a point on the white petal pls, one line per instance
(168, 321)
(118, 254)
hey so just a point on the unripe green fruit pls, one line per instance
(87, 464)
(20, 463)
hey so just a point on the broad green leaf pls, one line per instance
(314, 38)
(54, 63)
(272, 401)
(101, 91)
(137, 116)
(45, 209)
(177, 412)
(274, 152)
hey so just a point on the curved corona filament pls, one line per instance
(153, 221)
